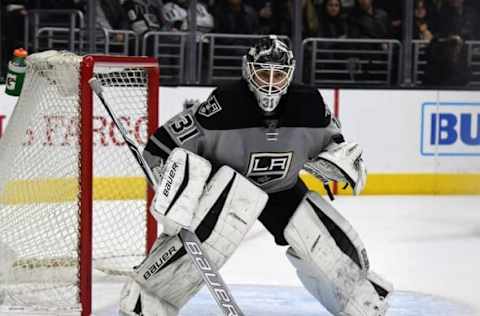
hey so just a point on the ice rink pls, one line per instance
(429, 247)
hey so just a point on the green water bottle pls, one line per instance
(16, 72)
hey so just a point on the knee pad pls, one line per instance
(227, 210)
(331, 260)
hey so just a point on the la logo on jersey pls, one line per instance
(209, 107)
(264, 168)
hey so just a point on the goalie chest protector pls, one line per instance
(229, 128)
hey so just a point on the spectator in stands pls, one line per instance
(346, 4)
(456, 19)
(394, 9)
(143, 15)
(473, 4)
(434, 6)
(264, 13)
(447, 63)
(366, 21)
(422, 28)
(235, 17)
(175, 17)
(282, 17)
(110, 15)
(333, 22)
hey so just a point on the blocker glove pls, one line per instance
(178, 192)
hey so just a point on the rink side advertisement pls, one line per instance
(414, 141)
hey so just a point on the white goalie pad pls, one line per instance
(340, 162)
(178, 192)
(135, 301)
(331, 261)
(227, 210)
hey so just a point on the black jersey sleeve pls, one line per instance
(188, 128)
(182, 130)
(230, 106)
(316, 114)
(332, 132)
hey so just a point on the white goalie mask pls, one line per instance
(268, 69)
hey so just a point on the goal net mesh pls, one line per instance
(40, 182)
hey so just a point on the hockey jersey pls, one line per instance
(230, 129)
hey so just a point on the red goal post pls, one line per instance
(71, 200)
(150, 64)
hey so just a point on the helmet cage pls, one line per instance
(270, 78)
(268, 81)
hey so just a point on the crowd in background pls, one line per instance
(322, 18)
(445, 23)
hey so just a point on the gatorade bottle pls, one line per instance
(16, 72)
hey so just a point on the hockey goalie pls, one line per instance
(234, 159)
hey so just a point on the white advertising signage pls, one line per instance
(450, 129)
(396, 131)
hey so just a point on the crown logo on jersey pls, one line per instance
(264, 168)
(209, 107)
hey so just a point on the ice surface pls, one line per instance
(423, 244)
(262, 300)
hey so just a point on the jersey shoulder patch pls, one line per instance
(210, 107)
(229, 106)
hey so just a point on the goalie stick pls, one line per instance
(190, 241)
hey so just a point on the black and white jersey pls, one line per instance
(230, 129)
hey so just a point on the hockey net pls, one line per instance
(63, 165)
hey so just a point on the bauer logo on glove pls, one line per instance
(179, 190)
(340, 162)
(170, 176)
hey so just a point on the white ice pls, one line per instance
(428, 246)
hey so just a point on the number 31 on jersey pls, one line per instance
(183, 127)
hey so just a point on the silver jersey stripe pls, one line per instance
(160, 145)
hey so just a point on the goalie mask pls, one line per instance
(268, 69)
